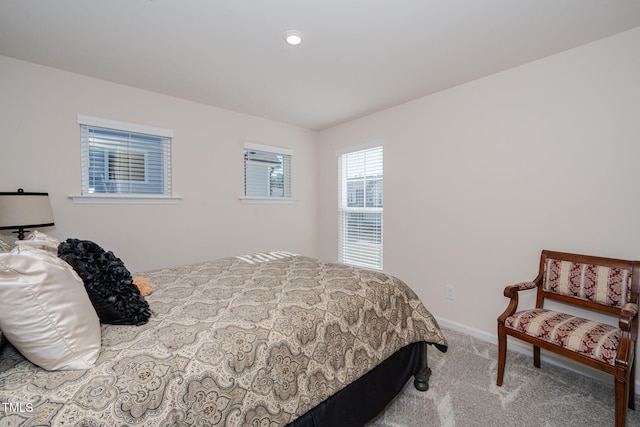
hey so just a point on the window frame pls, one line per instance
(344, 210)
(125, 198)
(287, 166)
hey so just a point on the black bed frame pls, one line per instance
(362, 400)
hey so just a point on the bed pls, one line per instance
(265, 339)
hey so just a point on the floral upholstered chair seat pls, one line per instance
(598, 341)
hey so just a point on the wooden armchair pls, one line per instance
(603, 285)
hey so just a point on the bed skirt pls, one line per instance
(362, 400)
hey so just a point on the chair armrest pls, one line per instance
(629, 311)
(630, 308)
(628, 337)
(511, 292)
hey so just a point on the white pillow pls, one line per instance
(37, 235)
(30, 245)
(38, 240)
(45, 311)
(5, 246)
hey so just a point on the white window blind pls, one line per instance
(120, 158)
(267, 171)
(360, 208)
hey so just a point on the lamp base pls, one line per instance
(20, 233)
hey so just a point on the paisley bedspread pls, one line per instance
(252, 340)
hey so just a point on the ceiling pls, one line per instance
(358, 56)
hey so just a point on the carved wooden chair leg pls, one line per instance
(621, 399)
(536, 356)
(421, 378)
(632, 387)
(502, 355)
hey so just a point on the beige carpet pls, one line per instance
(463, 393)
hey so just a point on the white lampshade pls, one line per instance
(22, 210)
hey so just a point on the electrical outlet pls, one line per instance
(448, 292)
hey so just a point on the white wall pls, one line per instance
(40, 151)
(480, 178)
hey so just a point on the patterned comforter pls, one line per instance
(253, 340)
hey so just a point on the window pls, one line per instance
(360, 208)
(124, 159)
(267, 172)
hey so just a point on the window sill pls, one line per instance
(124, 199)
(268, 200)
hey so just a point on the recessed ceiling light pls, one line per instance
(293, 37)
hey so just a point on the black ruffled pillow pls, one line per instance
(108, 283)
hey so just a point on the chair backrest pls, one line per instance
(602, 284)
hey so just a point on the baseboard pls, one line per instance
(524, 348)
